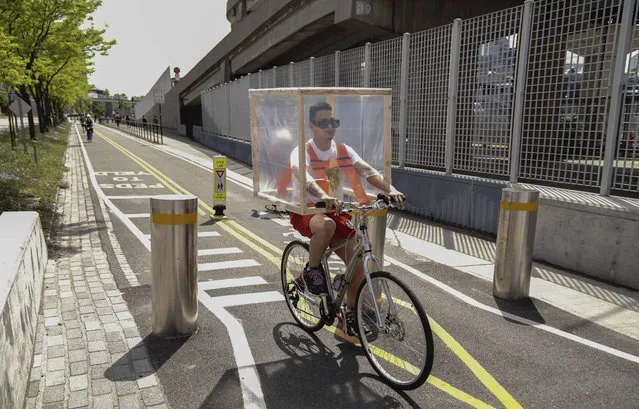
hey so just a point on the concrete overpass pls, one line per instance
(276, 32)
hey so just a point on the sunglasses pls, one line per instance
(323, 123)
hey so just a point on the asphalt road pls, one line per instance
(482, 359)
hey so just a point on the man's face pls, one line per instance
(327, 133)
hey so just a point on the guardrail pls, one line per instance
(149, 132)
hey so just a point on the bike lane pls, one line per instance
(337, 370)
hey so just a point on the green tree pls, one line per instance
(49, 38)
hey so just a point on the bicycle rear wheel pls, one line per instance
(401, 349)
(304, 306)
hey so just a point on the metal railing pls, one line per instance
(546, 93)
(150, 132)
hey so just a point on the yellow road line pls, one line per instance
(468, 360)
(484, 377)
(203, 207)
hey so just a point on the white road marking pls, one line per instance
(222, 265)
(131, 197)
(231, 282)
(102, 200)
(128, 223)
(249, 298)
(208, 234)
(247, 372)
(215, 252)
(471, 301)
(137, 215)
(249, 379)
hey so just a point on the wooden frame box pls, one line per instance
(280, 125)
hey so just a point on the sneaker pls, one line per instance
(315, 280)
(346, 321)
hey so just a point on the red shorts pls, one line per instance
(344, 228)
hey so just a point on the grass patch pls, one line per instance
(27, 186)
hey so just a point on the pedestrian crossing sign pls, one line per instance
(219, 171)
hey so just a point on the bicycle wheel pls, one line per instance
(304, 306)
(401, 349)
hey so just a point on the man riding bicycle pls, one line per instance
(330, 163)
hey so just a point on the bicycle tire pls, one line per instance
(391, 363)
(294, 259)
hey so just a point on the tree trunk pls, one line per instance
(50, 109)
(12, 130)
(42, 116)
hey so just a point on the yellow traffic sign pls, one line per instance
(219, 167)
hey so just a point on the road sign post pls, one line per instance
(219, 186)
(19, 107)
(158, 98)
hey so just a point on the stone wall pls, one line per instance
(23, 261)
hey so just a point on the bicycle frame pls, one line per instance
(364, 250)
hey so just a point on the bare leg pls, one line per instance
(323, 228)
(346, 253)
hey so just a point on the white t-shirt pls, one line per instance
(335, 177)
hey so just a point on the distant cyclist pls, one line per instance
(330, 163)
(89, 127)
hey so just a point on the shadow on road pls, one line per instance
(133, 365)
(317, 377)
(522, 308)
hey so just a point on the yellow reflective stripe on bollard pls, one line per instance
(187, 218)
(518, 206)
(379, 213)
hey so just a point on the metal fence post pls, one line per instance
(520, 88)
(312, 71)
(367, 65)
(616, 97)
(337, 68)
(291, 76)
(453, 79)
(275, 76)
(259, 79)
(403, 95)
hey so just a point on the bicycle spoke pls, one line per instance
(305, 312)
(401, 348)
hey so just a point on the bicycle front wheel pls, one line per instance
(400, 348)
(304, 306)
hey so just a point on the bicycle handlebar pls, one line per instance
(382, 202)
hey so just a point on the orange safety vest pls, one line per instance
(319, 167)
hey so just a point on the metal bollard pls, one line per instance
(377, 234)
(515, 241)
(174, 264)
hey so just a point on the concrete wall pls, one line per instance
(578, 231)
(233, 148)
(599, 240)
(23, 261)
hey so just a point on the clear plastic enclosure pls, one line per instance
(282, 135)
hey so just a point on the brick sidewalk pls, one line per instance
(88, 351)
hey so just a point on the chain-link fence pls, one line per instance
(547, 92)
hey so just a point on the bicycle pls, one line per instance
(384, 312)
